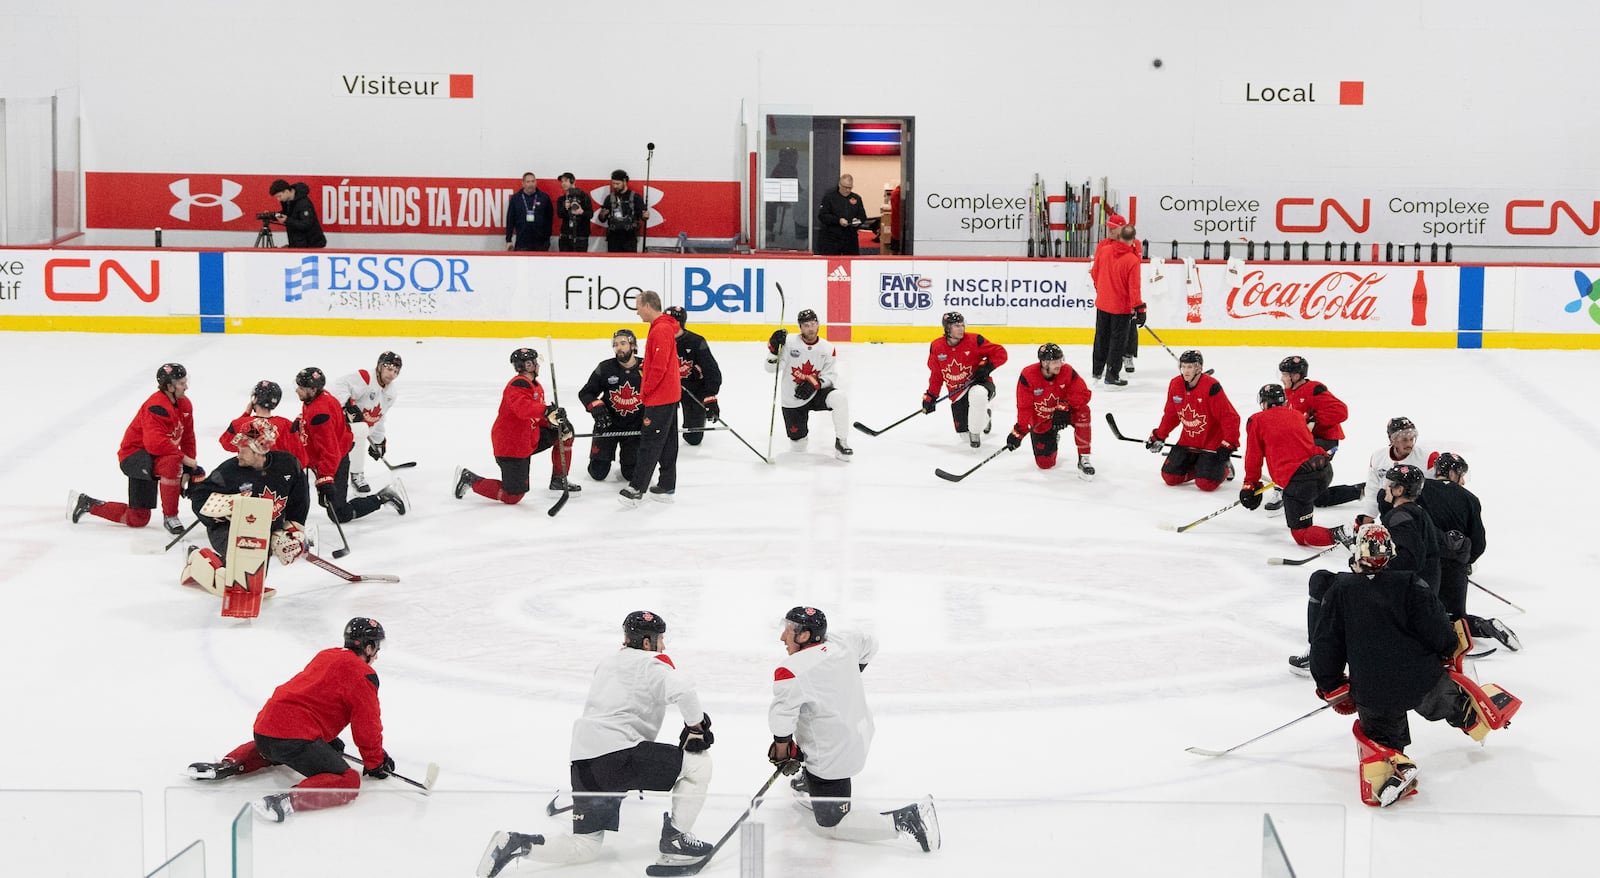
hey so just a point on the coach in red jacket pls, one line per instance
(1118, 304)
(661, 388)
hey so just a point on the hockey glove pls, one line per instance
(376, 450)
(1362, 520)
(383, 769)
(1014, 439)
(195, 472)
(1061, 419)
(1154, 444)
(1138, 315)
(981, 374)
(289, 544)
(928, 403)
(1340, 698)
(775, 343)
(1250, 497)
(352, 413)
(337, 744)
(713, 410)
(806, 389)
(697, 738)
(602, 417)
(1225, 451)
(785, 754)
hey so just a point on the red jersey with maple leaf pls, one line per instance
(1038, 397)
(616, 387)
(813, 363)
(1203, 415)
(327, 434)
(161, 427)
(952, 365)
(289, 438)
(338, 689)
(516, 428)
(1319, 405)
(1277, 437)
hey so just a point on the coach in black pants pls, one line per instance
(661, 389)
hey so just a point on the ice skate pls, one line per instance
(1498, 630)
(359, 482)
(561, 483)
(1085, 468)
(276, 807)
(173, 524)
(976, 439)
(1274, 500)
(678, 848)
(214, 770)
(1112, 380)
(660, 494)
(629, 497)
(394, 495)
(1341, 535)
(920, 822)
(1403, 781)
(1300, 665)
(503, 848)
(465, 479)
(78, 504)
(1127, 364)
(842, 451)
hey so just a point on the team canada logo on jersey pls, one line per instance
(624, 400)
(372, 415)
(956, 374)
(1194, 422)
(805, 372)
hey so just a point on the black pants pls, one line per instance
(1132, 350)
(658, 447)
(622, 242)
(143, 486)
(1444, 701)
(1453, 588)
(1110, 342)
(307, 757)
(1335, 495)
(335, 496)
(961, 408)
(694, 416)
(827, 813)
(514, 474)
(1305, 486)
(644, 766)
(797, 419)
(568, 244)
(1203, 464)
(603, 450)
(537, 245)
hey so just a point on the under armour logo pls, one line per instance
(297, 280)
(230, 211)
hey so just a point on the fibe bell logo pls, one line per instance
(733, 297)
(904, 292)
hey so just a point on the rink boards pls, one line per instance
(503, 295)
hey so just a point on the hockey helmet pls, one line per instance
(259, 436)
(361, 632)
(1449, 462)
(625, 333)
(390, 358)
(641, 624)
(311, 377)
(1374, 546)
(676, 312)
(266, 394)
(1402, 425)
(806, 316)
(951, 318)
(522, 356)
(1050, 352)
(170, 373)
(1191, 356)
(1296, 365)
(808, 619)
(1408, 477)
(1271, 395)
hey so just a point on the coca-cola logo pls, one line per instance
(1341, 295)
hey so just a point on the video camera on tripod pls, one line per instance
(264, 237)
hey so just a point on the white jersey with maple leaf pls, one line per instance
(799, 360)
(362, 389)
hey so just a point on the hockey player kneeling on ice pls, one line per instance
(1052, 396)
(157, 450)
(258, 470)
(326, 429)
(1209, 428)
(701, 378)
(962, 363)
(1458, 515)
(1278, 437)
(611, 396)
(301, 722)
(614, 750)
(811, 366)
(822, 728)
(368, 397)
(523, 427)
(1403, 654)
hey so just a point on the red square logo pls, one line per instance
(461, 86)
(1349, 92)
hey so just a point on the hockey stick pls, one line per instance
(1165, 348)
(952, 477)
(426, 784)
(347, 576)
(777, 370)
(1112, 422)
(394, 466)
(626, 433)
(1201, 751)
(179, 538)
(1296, 562)
(1203, 520)
(344, 548)
(561, 441)
(659, 870)
(723, 425)
(871, 432)
(1486, 591)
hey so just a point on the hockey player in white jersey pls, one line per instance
(822, 728)
(367, 398)
(1403, 447)
(811, 367)
(614, 750)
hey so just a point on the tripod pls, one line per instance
(264, 237)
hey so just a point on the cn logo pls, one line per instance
(1324, 207)
(108, 267)
(1535, 212)
(230, 189)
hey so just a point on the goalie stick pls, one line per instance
(659, 870)
(954, 477)
(430, 778)
(1201, 751)
(871, 432)
(347, 576)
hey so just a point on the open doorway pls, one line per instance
(802, 157)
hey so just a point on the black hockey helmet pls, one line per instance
(1295, 365)
(808, 619)
(951, 318)
(1408, 477)
(1271, 395)
(522, 356)
(640, 624)
(806, 316)
(1374, 546)
(676, 312)
(311, 377)
(1050, 352)
(390, 358)
(625, 333)
(1401, 425)
(170, 373)
(1191, 356)
(361, 632)
(1449, 462)
(266, 394)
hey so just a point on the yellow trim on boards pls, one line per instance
(75, 323)
(1542, 341)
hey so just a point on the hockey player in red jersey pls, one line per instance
(1278, 437)
(157, 451)
(1210, 428)
(1324, 413)
(300, 725)
(264, 399)
(1403, 654)
(524, 427)
(1051, 396)
(961, 363)
(328, 443)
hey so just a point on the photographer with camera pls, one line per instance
(576, 209)
(623, 214)
(299, 215)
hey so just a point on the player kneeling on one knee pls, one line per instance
(523, 427)
(1208, 428)
(1277, 437)
(260, 471)
(1052, 396)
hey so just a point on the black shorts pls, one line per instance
(828, 813)
(140, 468)
(307, 757)
(1209, 465)
(1307, 483)
(514, 474)
(645, 766)
(797, 420)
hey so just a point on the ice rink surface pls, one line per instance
(1048, 650)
